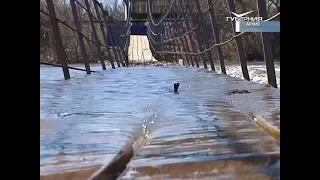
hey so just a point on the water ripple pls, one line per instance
(100, 113)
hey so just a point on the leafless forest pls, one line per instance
(252, 41)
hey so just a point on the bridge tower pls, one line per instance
(138, 11)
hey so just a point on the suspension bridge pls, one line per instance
(182, 34)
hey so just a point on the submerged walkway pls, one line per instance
(223, 144)
(216, 127)
(203, 132)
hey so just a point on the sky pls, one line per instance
(104, 2)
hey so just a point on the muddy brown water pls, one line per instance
(200, 133)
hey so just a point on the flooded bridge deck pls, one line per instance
(203, 132)
(216, 127)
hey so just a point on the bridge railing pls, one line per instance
(161, 6)
(198, 34)
(83, 26)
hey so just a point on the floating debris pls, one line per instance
(238, 91)
(176, 87)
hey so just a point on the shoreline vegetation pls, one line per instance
(251, 41)
(165, 63)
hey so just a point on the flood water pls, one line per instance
(200, 133)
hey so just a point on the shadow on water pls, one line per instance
(197, 133)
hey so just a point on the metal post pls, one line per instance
(80, 38)
(192, 57)
(109, 33)
(267, 46)
(205, 40)
(95, 35)
(103, 32)
(242, 57)
(216, 35)
(115, 41)
(61, 54)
